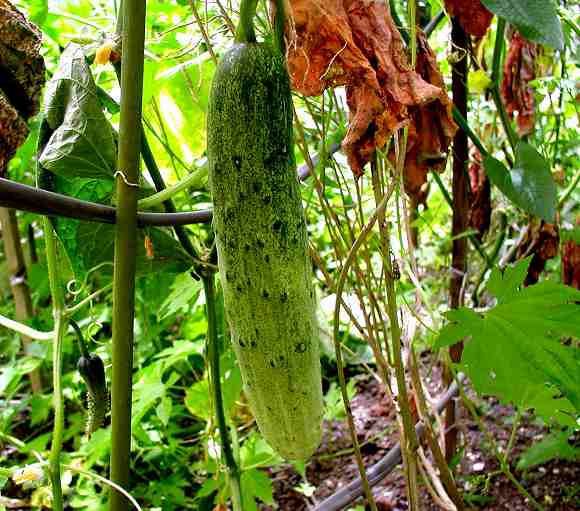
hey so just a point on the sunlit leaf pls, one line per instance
(537, 20)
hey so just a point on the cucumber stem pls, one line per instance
(245, 32)
(213, 354)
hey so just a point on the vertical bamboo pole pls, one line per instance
(17, 273)
(133, 14)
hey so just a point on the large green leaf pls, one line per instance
(513, 351)
(529, 185)
(82, 142)
(537, 20)
(79, 160)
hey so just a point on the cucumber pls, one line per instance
(262, 247)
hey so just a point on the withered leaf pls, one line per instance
(519, 70)
(21, 79)
(473, 17)
(356, 43)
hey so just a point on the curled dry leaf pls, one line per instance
(356, 43)
(21, 78)
(541, 240)
(431, 129)
(473, 17)
(519, 70)
(480, 200)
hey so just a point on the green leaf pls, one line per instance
(197, 400)
(255, 452)
(82, 142)
(513, 351)
(504, 284)
(555, 445)
(256, 485)
(183, 291)
(179, 352)
(40, 408)
(529, 185)
(164, 409)
(38, 11)
(537, 20)
(89, 244)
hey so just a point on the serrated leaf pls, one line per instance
(537, 20)
(530, 185)
(183, 291)
(555, 445)
(504, 284)
(513, 350)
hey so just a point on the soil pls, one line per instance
(555, 485)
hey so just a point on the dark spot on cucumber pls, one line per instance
(247, 247)
(266, 199)
(295, 240)
(242, 343)
(273, 364)
(265, 294)
(249, 282)
(311, 293)
(300, 347)
(267, 258)
(253, 344)
(277, 225)
(239, 288)
(237, 162)
(284, 297)
(257, 333)
(260, 244)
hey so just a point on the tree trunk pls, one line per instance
(460, 214)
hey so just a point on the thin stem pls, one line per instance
(495, 76)
(104, 480)
(214, 362)
(568, 192)
(279, 26)
(195, 180)
(203, 31)
(125, 246)
(460, 120)
(245, 32)
(60, 327)
(336, 337)
(71, 311)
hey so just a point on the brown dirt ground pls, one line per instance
(556, 485)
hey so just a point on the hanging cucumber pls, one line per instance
(262, 246)
(92, 370)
